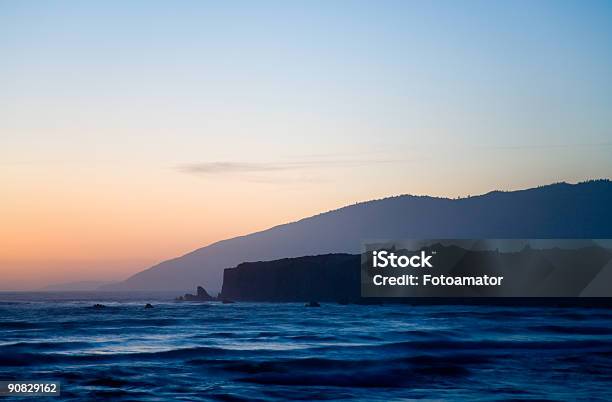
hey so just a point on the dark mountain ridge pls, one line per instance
(559, 210)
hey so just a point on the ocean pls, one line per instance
(268, 352)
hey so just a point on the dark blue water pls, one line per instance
(233, 352)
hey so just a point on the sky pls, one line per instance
(134, 132)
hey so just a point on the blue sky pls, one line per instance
(114, 111)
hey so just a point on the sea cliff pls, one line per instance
(329, 277)
(531, 274)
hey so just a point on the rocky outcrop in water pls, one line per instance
(201, 295)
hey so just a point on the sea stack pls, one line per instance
(201, 295)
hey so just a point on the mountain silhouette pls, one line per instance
(560, 210)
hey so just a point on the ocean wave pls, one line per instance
(488, 345)
(18, 325)
(571, 330)
(44, 346)
(356, 375)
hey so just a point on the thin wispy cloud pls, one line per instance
(312, 167)
(549, 146)
(227, 167)
(212, 168)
